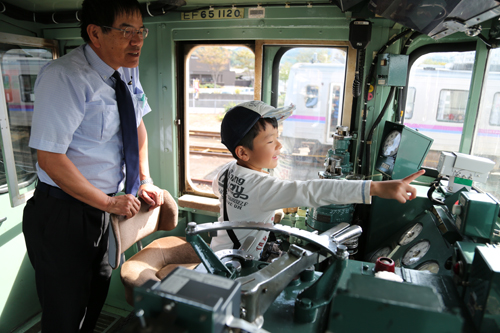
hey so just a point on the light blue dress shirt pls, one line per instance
(76, 114)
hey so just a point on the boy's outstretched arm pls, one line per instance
(400, 189)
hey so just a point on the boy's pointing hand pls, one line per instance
(400, 189)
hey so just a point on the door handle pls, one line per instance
(2, 220)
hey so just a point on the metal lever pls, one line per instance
(336, 230)
(260, 289)
(353, 231)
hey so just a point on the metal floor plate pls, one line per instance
(107, 323)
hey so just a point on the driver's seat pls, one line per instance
(158, 258)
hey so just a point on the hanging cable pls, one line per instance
(360, 32)
(356, 84)
(432, 188)
(368, 81)
(485, 41)
(368, 142)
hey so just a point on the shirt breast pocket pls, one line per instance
(101, 122)
(139, 105)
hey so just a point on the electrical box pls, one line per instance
(463, 169)
(402, 151)
(477, 214)
(369, 304)
(482, 296)
(191, 301)
(392, 70)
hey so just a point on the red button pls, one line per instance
(384, 264)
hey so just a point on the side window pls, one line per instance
(27, 87)
(410, 102)
(495, 111)
(218, 78)
(452, 105)
(20, 66)
(311, 96)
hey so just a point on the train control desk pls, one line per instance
(316, 288)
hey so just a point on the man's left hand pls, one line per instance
(151, 194)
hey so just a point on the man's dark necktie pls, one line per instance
(129, 135)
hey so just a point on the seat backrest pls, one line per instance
(145, 222)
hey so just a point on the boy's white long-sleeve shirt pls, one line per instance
(253, 196)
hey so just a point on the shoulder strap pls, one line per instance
(230, 232)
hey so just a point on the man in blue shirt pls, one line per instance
(77, 133)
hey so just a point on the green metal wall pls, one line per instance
(18, 301)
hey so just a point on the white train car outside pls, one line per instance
(436, 105)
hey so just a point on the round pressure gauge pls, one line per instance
(430, 266)
(382, 252)
(391, 144)
(416, 252)
(410, 234)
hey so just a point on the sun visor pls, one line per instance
(438, 18)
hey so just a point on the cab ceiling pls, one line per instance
(64, 5)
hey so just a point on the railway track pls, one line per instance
(208, 144)
(209, 151)
(215, 135)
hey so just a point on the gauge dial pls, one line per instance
(391, 144)
(430, 266)
(382, 252)
(416, 252)
(411, 234)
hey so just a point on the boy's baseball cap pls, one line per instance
(240, 119)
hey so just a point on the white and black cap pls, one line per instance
(240, 119)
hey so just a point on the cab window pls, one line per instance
(313, 79)
(218, 78)
(444, 79)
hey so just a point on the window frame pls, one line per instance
(19, 192)
(426, 49)
(275, 50)
(285, 45)
(184, 52)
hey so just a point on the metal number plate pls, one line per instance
(214, 14)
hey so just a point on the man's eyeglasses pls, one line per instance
(128, 32)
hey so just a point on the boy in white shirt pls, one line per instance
(250, 132)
